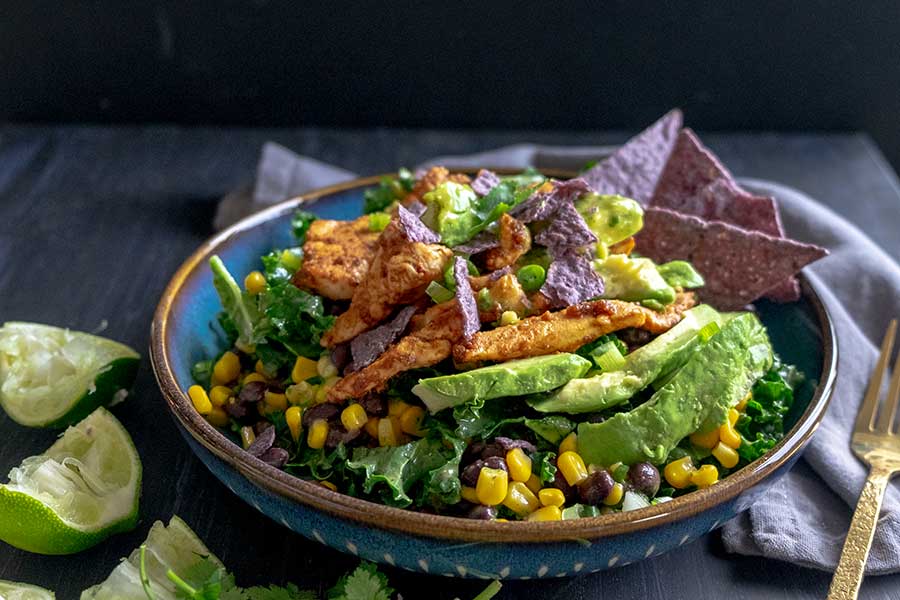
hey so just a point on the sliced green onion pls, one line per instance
(610, 359)
(292, 259)
(484, 299)
(438, 293)
(378, 221)
(532, 277)
(450, 278)
(708, 330)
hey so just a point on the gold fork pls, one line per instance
(876, 442)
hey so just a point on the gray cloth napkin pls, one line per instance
(804, 518)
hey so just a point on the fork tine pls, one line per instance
(866, 415)
(888, 411)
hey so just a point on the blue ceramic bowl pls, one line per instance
(184, 332)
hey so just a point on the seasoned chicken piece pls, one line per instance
(623, 247)
(430, 180)
(336, 257)
(566, 330)
(506, 294)
(398, 274)
(515, 241)
(429, 343)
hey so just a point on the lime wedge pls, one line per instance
(83, 489)
(10, 590)
(175, 547)
(52, 377)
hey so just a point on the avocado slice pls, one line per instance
(645, 365)
(697, 398)
(633, 280)
(512, 378)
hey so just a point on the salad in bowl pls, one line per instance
(516, 347)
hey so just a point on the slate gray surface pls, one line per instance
(93, 221)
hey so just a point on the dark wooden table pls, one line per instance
(93, 221)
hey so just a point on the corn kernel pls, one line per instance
(217, 417)
(678, 472)
(726, 456)
(572, 467)
(219, 395)
(275, 401)
(534, 483)
(733, 416)
(321, 394)
(300, 393)
(519, 465)
(705, 476)
(500, 520)
(615, 495)
(371, 427)
(569, 443)
(387, 433)
(254, 283)
(293, 417)
(551, 497)
(200, 399)
(509, 317)
(290, 260)
(469, 494)
(705, 440)
(354, 417)
(318, 433)
(520, 499)
(729, 436)
(247, 436)
(253, 377)
(227, 368)
(492, 486)
(547, 513)
(397, 407)
(411, 421)
(304, 368)
(325, 368)
(329, 485)
(740, 406)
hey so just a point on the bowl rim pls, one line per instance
(456, 528)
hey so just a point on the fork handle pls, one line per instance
(849, 574)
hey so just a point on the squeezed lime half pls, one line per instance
(173, 547)
(53, 377)
(10, 590)
(83, 489)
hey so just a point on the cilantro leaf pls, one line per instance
(366, 582)
(300, 225)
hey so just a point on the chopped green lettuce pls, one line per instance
(240, 306)
(552, 428)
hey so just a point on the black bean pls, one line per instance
(263, 442)
(560, 483)
(594, 418)
(496, 462)
(469, 475)
(277, 457)
(325, 410)
(485, 513)
(508, 444)
(493, 450)
(254, 391)
(471, 453)
(595, 488)
(644, 478)
(374, 405)
(340, 356)
(338, 434)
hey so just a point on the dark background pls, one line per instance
(783, 66)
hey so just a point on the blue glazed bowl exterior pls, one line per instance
(184, 333)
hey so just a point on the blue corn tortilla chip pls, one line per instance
(566, 230)
(466, 298)
(416, 207)
(368, 346)
(694, 182)
(571, 279)
(739, 265)
(634, 168)
(480, 243)
(414, 229)
(484, 182)
(543, 205)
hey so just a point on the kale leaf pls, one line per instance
(389, 190)
(762, 424)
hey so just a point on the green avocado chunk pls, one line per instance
(612, 218)
(680, 273)
(512, 378)
(642, 367)
(450, 211)
(633, 280)
(697, 397)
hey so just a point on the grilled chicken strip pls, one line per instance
(398, 274)
(429, 343)
(432, 179)
(515, 241)
(566, 330)
(336, 257)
